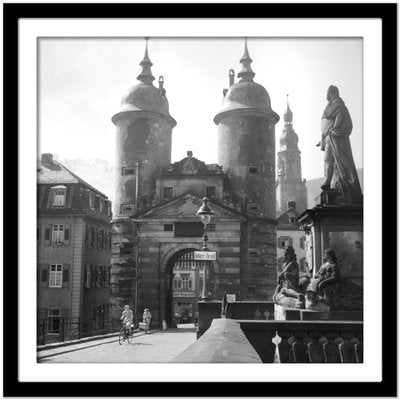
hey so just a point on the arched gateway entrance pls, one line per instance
(184, 285)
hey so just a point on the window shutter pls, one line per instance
(47, 234)
(66, 233)
(85, 276)
(44, 281)
(92, 276)
(66, 275)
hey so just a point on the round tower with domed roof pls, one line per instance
(143, 140)
(246, 152)
(143, 147)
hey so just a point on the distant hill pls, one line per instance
(98, 173)
(314, 187)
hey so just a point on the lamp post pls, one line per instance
(205, 213)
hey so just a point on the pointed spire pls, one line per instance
(146, 76)
(288, 115)
(246, 74)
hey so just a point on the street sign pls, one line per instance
(205, 255)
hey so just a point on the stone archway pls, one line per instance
(182, 263)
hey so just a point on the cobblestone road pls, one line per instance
(155, 347)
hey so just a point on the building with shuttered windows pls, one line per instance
(73, 250)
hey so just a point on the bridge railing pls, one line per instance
(305, 341)
(73, 328)
(270, 341)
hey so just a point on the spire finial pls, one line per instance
(288, 116)
(146, 76)
(246, 74)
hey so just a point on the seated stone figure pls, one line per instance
(288, 292)
(322, 290)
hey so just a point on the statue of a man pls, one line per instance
(336, 127)
(288, 292)
(323, 281)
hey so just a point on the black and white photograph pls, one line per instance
(223, 190)
(204, 199)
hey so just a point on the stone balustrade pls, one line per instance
(270, 341)
(305, 341)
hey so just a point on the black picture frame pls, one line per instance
(12, 386)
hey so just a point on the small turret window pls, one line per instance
(128, 171)
(254, 170)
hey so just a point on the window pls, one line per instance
(302, 242)
(210, 192)
(91, 200)
(126, 249)
(186, 282)
(285, 241)
(168, 227)
(57, 236)
(168, 193)
(91, 237)
(87, 276)
(108, 278)
(101, 208)
(128, 170)
(56, 275)
(58, 196)
(100, 239)
(177, 283)
(254, 252)
(254, 170)
(98, 276)
(53, 320)
(127, 208)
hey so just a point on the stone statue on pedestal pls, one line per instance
(321, 292)
(340, 171)
(289, 292)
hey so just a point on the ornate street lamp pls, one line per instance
(205, 212)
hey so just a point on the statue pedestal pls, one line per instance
(296, 314)
(338, 227)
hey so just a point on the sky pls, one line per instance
(82, 80)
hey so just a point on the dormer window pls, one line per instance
(58, 194)
(91, 200)
(101, 208)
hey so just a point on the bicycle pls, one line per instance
(125, 334)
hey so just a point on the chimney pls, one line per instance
(231, 77)
(190, 154)
(47, 159)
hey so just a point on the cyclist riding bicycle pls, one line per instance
(127, 319)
